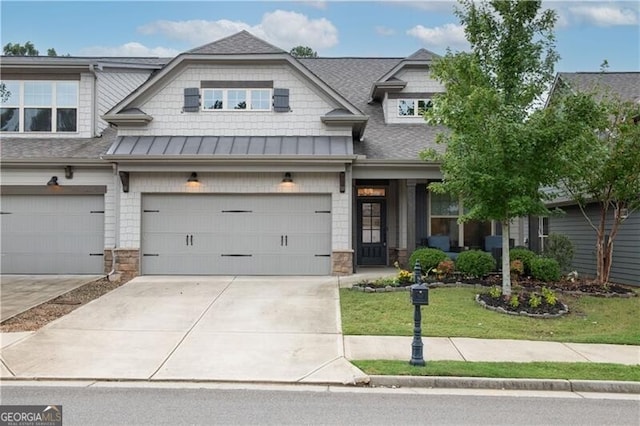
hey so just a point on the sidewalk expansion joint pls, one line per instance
(575, 351)
(457, 350)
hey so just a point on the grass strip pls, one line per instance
(453, 312)
(515, 370)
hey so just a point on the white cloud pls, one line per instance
(128, 49)
(281, 28)
(289, 29)
(384, 31)
(448, 35)
(605, 16)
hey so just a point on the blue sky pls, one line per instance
(587, 31)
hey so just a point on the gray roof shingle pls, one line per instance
(624, 84)
(241, 43)
(51, 149)
(353, 78)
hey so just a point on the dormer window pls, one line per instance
(413, 107)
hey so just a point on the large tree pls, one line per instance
(27, 49)
(303, 52)
(498, 155)
(16, 49)
(602, 162)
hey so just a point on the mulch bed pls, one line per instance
(500, 304)
(39, 316)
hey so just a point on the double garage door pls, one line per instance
(52, 234)
(205, 234)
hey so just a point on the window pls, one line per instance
(40, 106)
(444, 213)
(237, 99)
(407, 107)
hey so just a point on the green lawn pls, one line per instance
(529, 370)
(453, 312)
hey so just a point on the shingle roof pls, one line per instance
(624, 84)
(350, 77)
(56, 148)
(353, 78)
(241, 43)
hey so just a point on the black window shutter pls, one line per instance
(281, 100)
(191, 99)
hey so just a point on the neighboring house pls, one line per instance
(231, 158)
(625, 268)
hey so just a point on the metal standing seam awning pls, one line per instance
(232, 153)
(195, 147)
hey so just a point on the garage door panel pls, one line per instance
(272, 234)
(52, 234)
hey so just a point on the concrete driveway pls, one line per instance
(264, 329)
(20, 293)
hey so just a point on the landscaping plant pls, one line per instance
(545, 269)
(524, 255)
(475, 263)
(560, 248)
(499, 155)
(429, 258)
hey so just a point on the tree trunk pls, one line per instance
(506, 264)
(600, 247)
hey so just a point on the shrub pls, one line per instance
(404, 277)
(446, 268)
(475, 263)
(429, 258)
(560, 248)
(549, 296)
(534, 300)
(523, 255)
(517, 267)
(545, 269)
(514, 302)
(495, 292)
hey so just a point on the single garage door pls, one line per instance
(52, 234)
(275, 234)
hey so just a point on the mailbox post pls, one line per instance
(419, 295)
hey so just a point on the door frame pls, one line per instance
(384, 225)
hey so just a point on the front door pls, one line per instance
(372, 232)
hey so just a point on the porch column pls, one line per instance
(411, 215)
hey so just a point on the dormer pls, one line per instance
(236, 86)
(407, 90)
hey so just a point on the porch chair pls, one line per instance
(442, 242)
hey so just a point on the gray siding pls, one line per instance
(626, 247)
(114, 86)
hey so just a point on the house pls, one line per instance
(231, 158)
(625, 268)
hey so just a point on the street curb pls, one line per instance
(506, 384)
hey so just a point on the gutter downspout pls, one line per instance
(94, 94)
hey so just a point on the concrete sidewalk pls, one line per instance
(490, 350)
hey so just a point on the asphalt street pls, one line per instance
(111, 403)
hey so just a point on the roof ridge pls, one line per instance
(242, 42)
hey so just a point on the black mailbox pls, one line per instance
(419, 294)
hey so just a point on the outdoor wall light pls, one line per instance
(343, 182)
(68, 172)
(193, 178)
(287, 178)
(53, 181)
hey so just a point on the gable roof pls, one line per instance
(253, 50)
(242, 43)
